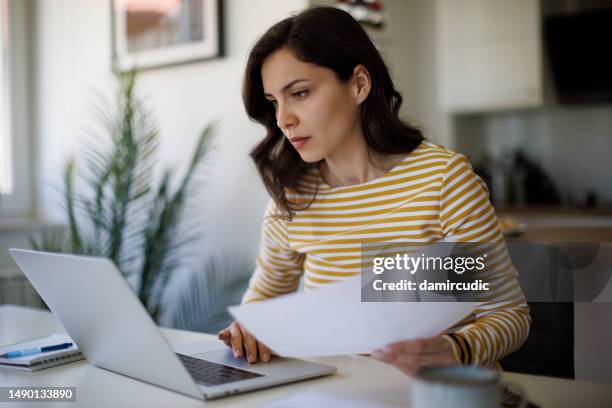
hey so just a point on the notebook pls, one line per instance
(43, 360)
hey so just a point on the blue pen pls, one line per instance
(35, 350)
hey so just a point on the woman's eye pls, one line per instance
(300, 94)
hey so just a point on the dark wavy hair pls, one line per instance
(331, 38)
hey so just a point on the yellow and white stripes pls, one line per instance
(432, 195)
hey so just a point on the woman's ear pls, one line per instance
(362, 83)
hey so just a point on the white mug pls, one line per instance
(458, 387)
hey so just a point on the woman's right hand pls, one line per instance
(239, 338)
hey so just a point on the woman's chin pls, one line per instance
(310, 157)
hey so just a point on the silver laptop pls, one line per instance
(112, 329)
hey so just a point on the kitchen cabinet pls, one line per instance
(489, 54)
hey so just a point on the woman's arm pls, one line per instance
(278, 267)
(501, 324)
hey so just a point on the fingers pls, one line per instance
(418, 346)
(226, 337)
(413, 355)
(239, 339)
(251, 345)
(236, 340)
(412, 364)
(422, 360)
(264, 352)
(384, 355)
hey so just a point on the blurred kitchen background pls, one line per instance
(522, 87)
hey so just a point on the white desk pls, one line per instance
(358, 377)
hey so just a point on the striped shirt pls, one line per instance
(432, 195)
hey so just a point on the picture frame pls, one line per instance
(149, 34)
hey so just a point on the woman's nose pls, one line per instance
(285, 119)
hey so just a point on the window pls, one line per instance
(6, 163)
(16, 168)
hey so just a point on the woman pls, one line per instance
(343, 169)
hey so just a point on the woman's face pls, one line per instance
(314, 109)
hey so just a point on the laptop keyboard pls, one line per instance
(209, 373)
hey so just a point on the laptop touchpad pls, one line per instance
(227, 358)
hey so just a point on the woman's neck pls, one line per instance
(356, 165)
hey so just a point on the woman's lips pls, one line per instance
(299, 142)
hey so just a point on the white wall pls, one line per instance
(73, 58)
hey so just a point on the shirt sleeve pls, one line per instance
(278, 267)
(501, 324)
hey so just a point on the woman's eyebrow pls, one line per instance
(284, 88)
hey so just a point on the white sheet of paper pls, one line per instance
(333, 321)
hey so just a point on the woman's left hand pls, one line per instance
(412, 355)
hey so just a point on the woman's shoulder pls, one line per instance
(429, 157)
(457, 167)
(429, 149)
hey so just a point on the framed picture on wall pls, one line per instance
(155, 33)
